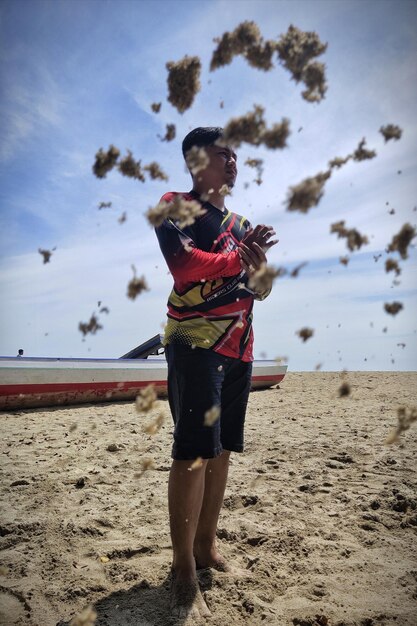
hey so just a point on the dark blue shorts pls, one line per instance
(199, 379)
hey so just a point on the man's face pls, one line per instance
(222, 168)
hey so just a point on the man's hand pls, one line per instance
(260, 235)
(251, 259)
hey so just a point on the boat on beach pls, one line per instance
(29, 382)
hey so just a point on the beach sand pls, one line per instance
(320, 514)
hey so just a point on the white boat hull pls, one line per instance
(40, 382)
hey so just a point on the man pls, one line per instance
(208, 340)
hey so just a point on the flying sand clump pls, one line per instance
(212, 415)
(246, 40)
(104, 205)
(391, 131)
(308, 193)
(170, 133)
(146, 399)
(295, 50)
(197, 159)
(155, 171)
(156, 106)
(183, 82)
(136, 285)
(87, 617)
(401, 241)
(393, 307)
(146, 464)
(354, 240)
(153, 427)
(391, 265)
(105, 161)
(258, 165)
(251, 128)
(92, 326)
(262, 280)
(127, 166)
(305, 195)
(305, 333)
(183, 212)
(131, 168)
(46, 254)
(406, 416)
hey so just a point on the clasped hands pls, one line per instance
(253, 246)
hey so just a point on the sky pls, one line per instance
(79, 75)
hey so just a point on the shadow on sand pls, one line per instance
(142, 605)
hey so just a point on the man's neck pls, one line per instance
(215, 198)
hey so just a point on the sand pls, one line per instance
(319, 513)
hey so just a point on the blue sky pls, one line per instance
(79, 75)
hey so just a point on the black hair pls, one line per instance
(201, 136)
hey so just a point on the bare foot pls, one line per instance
(219, 563)
(186, 599)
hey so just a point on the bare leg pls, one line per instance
(205, 550)
(185, 497)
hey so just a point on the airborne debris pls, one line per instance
(391, 131)
(90, 327)
(131, 168)
(153, 427)
(294, 272)
(105, 161)
(344, 389)
(391, 265)
(155, 171)
(406, 416)
(196, 464)
(87, 617)
(263, 278)
(212, 415)
(225, 190)
(146, 399)
(246, 40)
(104, 205)
(197, 159)
(258, 165)
(183, 82)
(281, 359)
(305, 333)
(308, 193)
(354, 239)
(183, 212)
(296, 49)
(339, 161)
(251, 128)
(402, 240)
(344, 260)
(136, 285)
(156, 106)
(393, 308)
(361, 153)
(46, 254)
(146, 464)
(122, 218)
(170, 133)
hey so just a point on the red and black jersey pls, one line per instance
(210, 305)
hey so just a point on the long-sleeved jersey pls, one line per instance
(210, 305)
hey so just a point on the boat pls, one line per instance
(29, 382)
